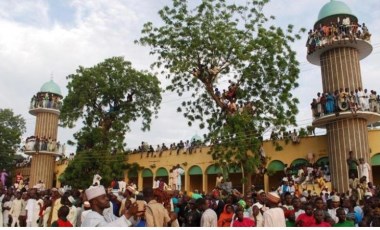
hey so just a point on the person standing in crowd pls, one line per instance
(241, 221)
(17, 206)
(62, 221)
(274, 216)
(32, 209)
(99, 202)
(364, 169)
(342, 222)
(209, 217)
(225, 217)
(319, 217)
(306, 219)
(155, 214)
(193, 216)
(352, 164)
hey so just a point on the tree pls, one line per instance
(107, 97)
(201, 48)
(11, 129)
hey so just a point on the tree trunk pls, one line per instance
(248, 184)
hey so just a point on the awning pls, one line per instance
(276, 166)
(147, 173)
(299, 161)
(195, 170)
(375, 160)
(162, 172)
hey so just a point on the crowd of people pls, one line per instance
(345, 100)
(341, 30)
(185, 147)
(37, 144)
(46, 100)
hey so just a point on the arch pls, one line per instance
(213, 169)
(375, 159)
(195, 170)
(162, 172)
(147, 173)
(276, 166)
(299, 161)
(322, 160)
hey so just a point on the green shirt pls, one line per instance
(346, 223)
(290, 224)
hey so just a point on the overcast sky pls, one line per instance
(39, 38)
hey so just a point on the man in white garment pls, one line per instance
(122, 185)
(99, 201)
(32, 210)
(274, 217)
(364, 169)
(16, 208)
(209, 217)
(365, 100)
(335, 205)
(180, 172)
(72, 217)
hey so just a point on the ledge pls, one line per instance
(35, 111)
(33, 152)
(321, 122)
(364, 47)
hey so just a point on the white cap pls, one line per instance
(335, 198)
(94, 192)
(285, 179)
(257, 204)
(368, 194)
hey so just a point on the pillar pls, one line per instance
(204, 181)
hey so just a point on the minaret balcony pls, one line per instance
(323, 120)
(45, 146)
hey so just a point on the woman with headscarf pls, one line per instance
(225, 217)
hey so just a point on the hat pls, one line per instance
(86, 204)
(257, 204)
(54, 190)
(335, 198)
(71, 199)
(273, 197)
(242, 203)
(61, 191)
(285, 179)
(303, 200)
(94, 192)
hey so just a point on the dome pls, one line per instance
(51, 87)
(334, 8)
(196, 137)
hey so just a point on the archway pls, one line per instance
(275, 172)
(375, 163)
(196, 178)
(212, 172)
(147, 177)
(163, 173)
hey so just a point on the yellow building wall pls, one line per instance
(201, 158)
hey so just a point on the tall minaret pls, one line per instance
(44, 147)
(340, 67)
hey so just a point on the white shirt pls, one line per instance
(94, 219)
(274, 217)
(33, 210)
(16, 207)
(209, 219)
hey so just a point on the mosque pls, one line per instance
(339, 59)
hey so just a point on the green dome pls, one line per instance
(51, 87)
(334, 8)
(196, 137)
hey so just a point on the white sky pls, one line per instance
(40, 37)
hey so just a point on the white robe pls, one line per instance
(274, 217)
(364, 171)
(32, 214)
(94, 219)
(209, 218)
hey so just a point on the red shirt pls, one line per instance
(322, 224)
(245, 223)
(305, 220)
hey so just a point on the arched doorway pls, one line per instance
(196, 178)
(212, 172)
(235, 175)
(163, 173)
(275, 172)
(375, 163)
(147, 177)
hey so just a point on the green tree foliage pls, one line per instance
(217, 41)
(79, 173)
(106, 97)
(11, 129)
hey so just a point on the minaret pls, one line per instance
(339, 59)
(44, 146)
